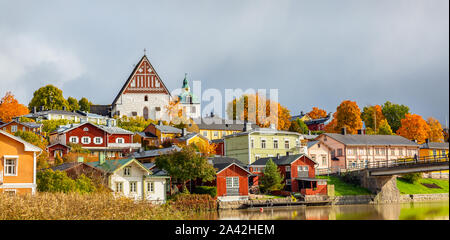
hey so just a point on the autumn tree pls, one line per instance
(436, 134)
(260, 110)
(299, 126)
(394, 113)
(73, 104)
(186, 165)
(37, 141)
(347, 115)
(384, 128)
(317, 113)
(10, 108)
(413, 127)
(49, 97)
(85, 105)
(372, 117)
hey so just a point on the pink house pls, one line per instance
(357, 150)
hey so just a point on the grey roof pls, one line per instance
(155, 170)
(217, 123)
(310, 137)
(435, 145)
(167, 129)
(263, 131)
(223, 162)
(282, 160)
(27, 124)
(103, 110)
(110, 130)
(187, 136)
(44, 113)
(69, 165)
(373, 140)
(149, 165)
(146, 134)
(156, 152)
(220, 140)
(311, 143)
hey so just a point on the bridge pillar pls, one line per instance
(385, 187)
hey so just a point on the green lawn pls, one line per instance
(342, 188)
(417, 188)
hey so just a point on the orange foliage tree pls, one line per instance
(347, 115)
(372, 117)
(436, 133)
(317, 113)
(10, 108)
(250, 107)
(413, 127)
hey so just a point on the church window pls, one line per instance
(146, 98)
(134, 114)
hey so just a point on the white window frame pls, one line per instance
(133, 187)
(6, 166)
(117, 187)
(117, 140)
(231, 182)
(95, 140)
(73, 137)
(263, 143)
(85, 137)
(275, 143)
(151, 187)
(288, 144)
(86, 129)
(216, 133)
(127, 171)
(14, 128)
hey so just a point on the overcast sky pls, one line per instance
(317, 52)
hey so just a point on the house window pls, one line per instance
(127, 171)
(286, 144)
(98, 140)
(324, 159)
(434, 152)
(24, 129)
(333, 153)
(13, 128)
(150, 186)
(275, 143)
(361, 151)
(393, 152)
(313, 157)
(119, 186)
(73, 139)
(86, 129)
(133, 187)
(10, 192)
(86, 140)
(205, 133)
(216, 133)
(400, 152)
(119, 140)
(257, 157)
(377, 151)
(339, 152)
(263, 143)
(10, 166)
(232, 182)
(288, 168)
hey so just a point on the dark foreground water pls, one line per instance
(403, 211)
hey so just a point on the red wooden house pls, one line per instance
(114, 141)
(298, 170)
(220, 146)
(231, 178)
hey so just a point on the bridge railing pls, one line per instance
(384, 164)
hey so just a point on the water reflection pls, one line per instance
(408, 211)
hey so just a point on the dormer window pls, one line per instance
(86, 129)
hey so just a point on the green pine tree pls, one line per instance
(272, 179)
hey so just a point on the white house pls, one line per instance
(129, 178)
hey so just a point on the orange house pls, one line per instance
(14, 126)
(17, 165)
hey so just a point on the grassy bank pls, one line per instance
(60, 206)
(418, 188)
(342, 188)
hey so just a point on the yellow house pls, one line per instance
(191, 138)
(213, 127)
(434, 150)
(18, 160)
(156, 134)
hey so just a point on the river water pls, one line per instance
(400, 211)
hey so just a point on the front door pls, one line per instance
(232, 186)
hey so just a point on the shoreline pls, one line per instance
(337, 200)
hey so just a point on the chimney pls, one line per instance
(34, 109)
(301, 113)
(344, 131)
(427, 140)
(360, 132)
(160, 123)
(183, 132)
(278, 156)
(247, 126)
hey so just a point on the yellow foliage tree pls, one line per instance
(413, 127)
(347, 115)
(436, 134)
(317, 113)
(10, 108)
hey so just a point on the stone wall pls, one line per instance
(424, 197)
(353, 199)
(245, 203)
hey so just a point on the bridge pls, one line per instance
(380, 177)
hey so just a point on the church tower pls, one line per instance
(143, 94)
(189, 103)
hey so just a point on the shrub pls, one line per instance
(280, 193)
(412, 177)
(193, 202)
(351, 178)
(212, 191)
(57, 181)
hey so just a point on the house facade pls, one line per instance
(299, 173)
(130, 178)
(158, 133)
(18, 161)
(143, 94)
(357, 150)
(257, 143)
(213, 127)
(15, 125)
(434, 149)
(319, 152)
(114, 141)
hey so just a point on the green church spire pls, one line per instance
(185, 82)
